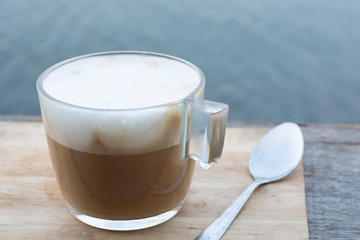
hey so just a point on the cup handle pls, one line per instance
(206, 127)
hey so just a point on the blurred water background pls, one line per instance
(270, 60)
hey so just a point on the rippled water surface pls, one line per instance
(269, 60)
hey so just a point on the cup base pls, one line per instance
(126, 225)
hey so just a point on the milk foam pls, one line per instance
(118, 82)
(121, 82)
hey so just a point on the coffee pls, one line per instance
(121, 187)
(114, 158)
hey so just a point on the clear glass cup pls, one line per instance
(105, 181)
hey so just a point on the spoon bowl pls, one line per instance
(278, 153)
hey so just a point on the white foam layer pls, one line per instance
(118, 82)
(121, 81)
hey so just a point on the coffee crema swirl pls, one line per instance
(120, 88)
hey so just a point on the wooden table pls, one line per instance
(332, 172)
(332, 178)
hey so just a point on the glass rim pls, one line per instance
(43, 76)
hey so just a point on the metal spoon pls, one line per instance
(276, 155)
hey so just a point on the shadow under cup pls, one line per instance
(127, 169)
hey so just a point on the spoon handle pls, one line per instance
(221, 224)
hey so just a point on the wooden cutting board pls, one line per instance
(31, 205)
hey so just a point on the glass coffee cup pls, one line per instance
(124, 130)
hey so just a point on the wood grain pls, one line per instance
(332, 175)
(31, 205)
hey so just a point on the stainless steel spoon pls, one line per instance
(276, 155)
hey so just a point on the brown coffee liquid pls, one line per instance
(121, 187)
